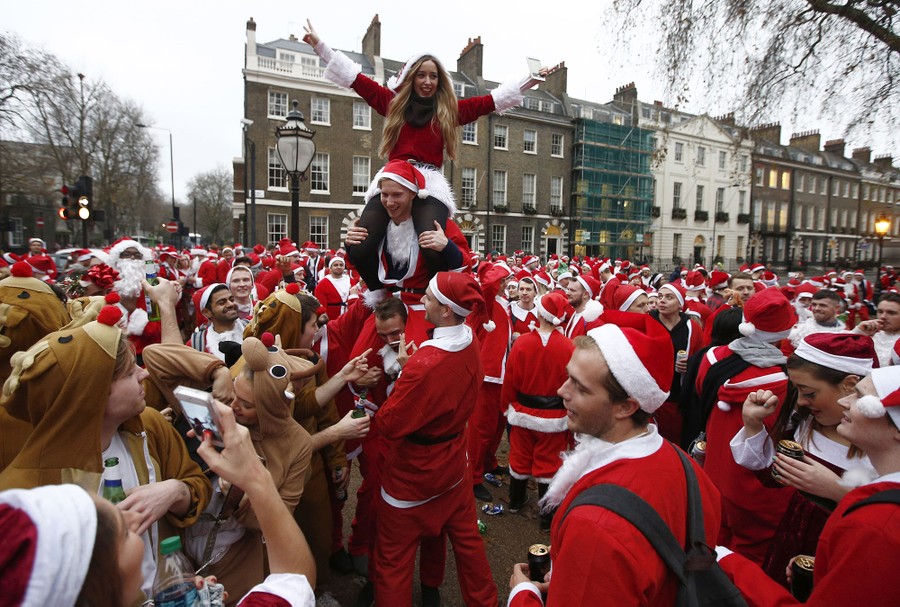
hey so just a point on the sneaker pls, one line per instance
(482, 493)
(340, 562)
(431, 596)
(515, 508)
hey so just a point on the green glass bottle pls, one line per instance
(360, 408)
(112, 481)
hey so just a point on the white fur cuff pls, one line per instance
(373, 298)
(137, 322)
(341, 70)
(506, 97)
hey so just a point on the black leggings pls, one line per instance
(375, 218)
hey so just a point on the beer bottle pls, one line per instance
(112, 481)
(152, 309)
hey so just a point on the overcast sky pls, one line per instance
(182, 60)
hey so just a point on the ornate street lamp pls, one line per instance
(882, 227)
(295, 147)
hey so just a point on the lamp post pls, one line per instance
(882, 227)
(171, 167)
(296, 148)
(249, 184)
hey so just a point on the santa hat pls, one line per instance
(397, 79)
(887, 387)
(205, 293)
(46, 555)
(718, 279)
(459, 291)
(404, 173)
(259, 249)
(40, 264)
(310, 246)
(758, 267)
(768, 316)
(197, 252)
(640, 360)
(590, 284)
(334, 259)
(36, 239)
(694, 281)
(82, 255)
(529, 259)
(288, 249)
(552, 307)
(677, 289)
(846, 352)
(127, 243)
(543, 279)
(806, 290)
(624, 296)
(525, 275)
(770, 279)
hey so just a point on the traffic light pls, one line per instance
(65, 211)
(84, 187)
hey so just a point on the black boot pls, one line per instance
(431, 596)
(546, 517)
(518, 494)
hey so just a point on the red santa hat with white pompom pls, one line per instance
(552, 307)
(404, 173)
(768, 316)
(886, 401)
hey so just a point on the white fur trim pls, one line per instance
(342, 70)
(489, 326)
(631, 299)
(543, 313)
(674, 291)
(723, 406)
(871, 406)
(847, 364)
(116, 250)
(747, 329)
(137, 322)
(507, 96)
(857, 477)
(423, 193)
(627, 368)
(436, 291)
(592, 310)
(294, 588)
(373, 298)
(532, 422)
(436, 186)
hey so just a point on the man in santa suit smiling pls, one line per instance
(334, 288)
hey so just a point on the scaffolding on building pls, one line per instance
(612, 191)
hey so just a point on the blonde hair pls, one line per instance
(446, 110)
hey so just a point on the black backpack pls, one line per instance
(888, 496)
(702, 581)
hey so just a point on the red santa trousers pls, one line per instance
(397, 537)
(486, 430)
(537, 454)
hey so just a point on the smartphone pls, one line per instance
(534, 66)
(200, 411)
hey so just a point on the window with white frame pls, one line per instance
(760, 175)
(835, 187)
(276, 171)
(679, 151)
(361, 174)
(469, 184)
(773, 178)
(318, 173)
(676, 245)
(800, 185)
(701, 156)
(528, 238)
(318, 230)
(276, 226)
(742, 165)
(854, 191)
(286, 56)
(529, 185)
(723, 159)
(499, 195)
(470, 133)
(458, 89)
(739, 251)
(556, 145)
(720, 200)
(742, 202)
(498, 237)
(17, 232)
(278, 104)
(823, 185)
(320, 110)
(811, 184)
(362, 116)
(530, 142)
(845, 189)
(556, 188)
(700, 190)
(785, 180)
(310, 67)
(501, 137)
(865, 191)
(676, 195)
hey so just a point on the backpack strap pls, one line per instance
(640, 514)
(888, 496)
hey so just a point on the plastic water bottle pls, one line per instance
(150, 270)
(174, 583)
(112, 481)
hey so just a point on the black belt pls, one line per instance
(540, 402)
(396, 289)
(430, 440)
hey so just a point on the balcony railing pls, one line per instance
(679, 213)
(500, 208)
(529, 209)
(721, 217)
(655, 212)
(701, 215)
(557, 211)
(743, 217)
(297, 70)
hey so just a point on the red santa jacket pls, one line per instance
(330, 296)
(208, 273)
(536, 369)
(524, 321)
(495, 343)
(598, 558)
(424, 419)
(856, 558)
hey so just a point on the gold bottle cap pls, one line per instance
(539, 550)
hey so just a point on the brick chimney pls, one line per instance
(626, 94)
(862, 154)
(727, 119)
(371, 42)
(835, 146)
(808, 141)
(557, 80)
(885, 162)
(471, 59)
(770, 131)
(251, 38)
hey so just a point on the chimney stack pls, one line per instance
(770, 131)
(835, 146)
(863, 154)
(885, 162)
(371, 42)
(808, 141)
(471, 59)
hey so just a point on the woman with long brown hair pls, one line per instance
(422, 117)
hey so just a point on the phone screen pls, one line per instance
(200, 419)
(534, 66)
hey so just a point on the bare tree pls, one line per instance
(23, 71)
(212, 192)
(839, 59)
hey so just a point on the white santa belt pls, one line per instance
(397, 503)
